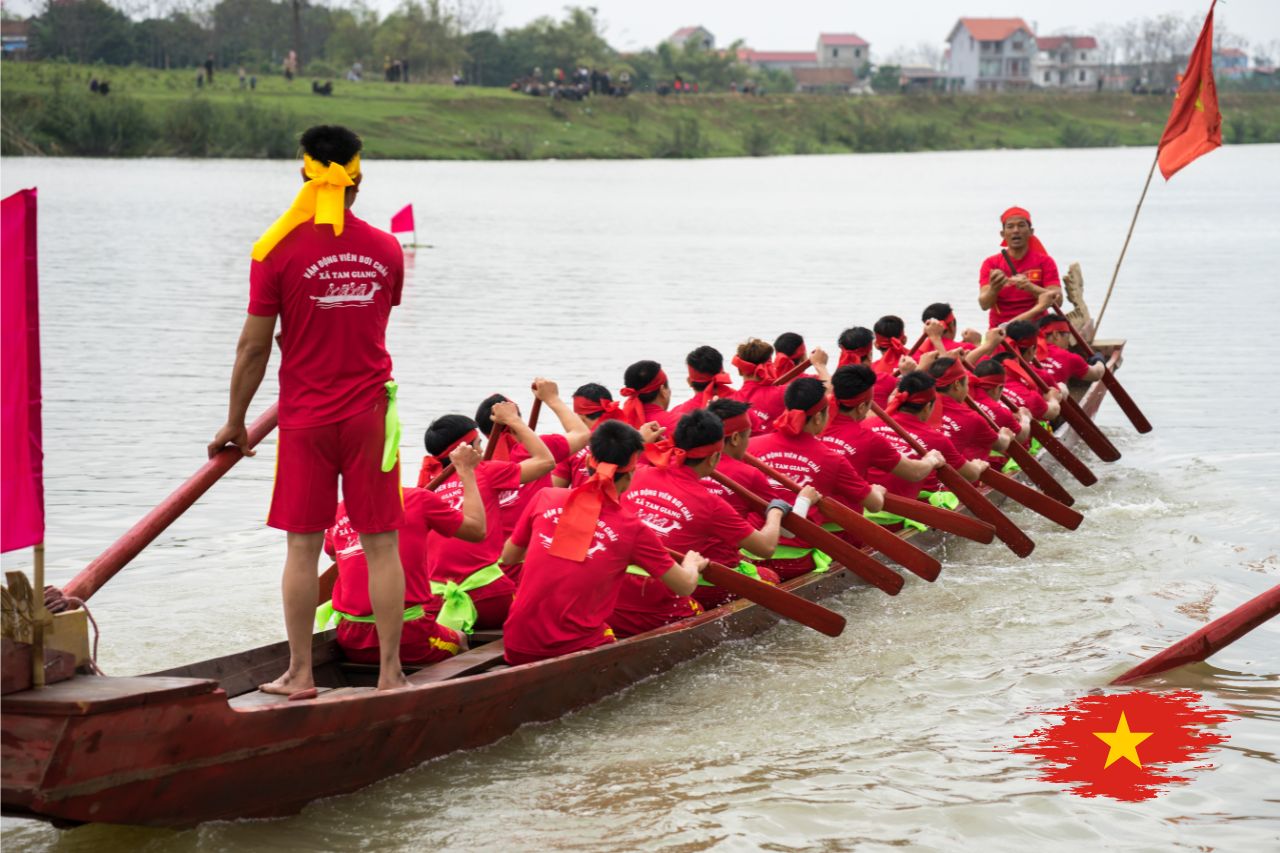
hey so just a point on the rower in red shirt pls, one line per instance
(736, 417)
(1059, 362)
(788, 351)
(648, 394)
(894, 360)
(594, 405)
(795, 450)
(707, 379)
(754, 361)
(562, 447)
(986, 386)
(912, 406)
(1012, 288)
(940, 326)
(1025, 335)
(422, 640)
(968, 430)
(870, 453)
(475, 592)
(576, 546)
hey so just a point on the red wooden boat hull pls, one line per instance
(168, 749)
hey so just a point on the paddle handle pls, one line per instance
(1123, 400)
(780, 601)
(1071, 412)
(491, 446)
(1072, 463)
(1028, 463)
(943, 519)
(897, 549)
(123, 550)
(872, 571)
(793, 372)
(1033, 500)
(536, 409)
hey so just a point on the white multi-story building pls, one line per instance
(1067, 62)
(843, 50)
(990, 55)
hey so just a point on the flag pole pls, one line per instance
(1125, 247)
(39, 618)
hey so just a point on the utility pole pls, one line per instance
(297, 33)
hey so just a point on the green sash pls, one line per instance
(391, 431)
(821, 560)
(459, 611)
(327, 617)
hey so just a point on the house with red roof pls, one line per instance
(698, 35)
(1067, 62)
(990, 55)
(843, 50)
(778, 60)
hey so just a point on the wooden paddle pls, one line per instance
(535, 411)
(1028, 463)
(1071, 411)
(1130, 408)
(940, 517)
(780, 601)
(857, 561)
(793, 372)
(1074, 464)
(919, 343)
(1037, 502)
(1008, 532)
(895, 548)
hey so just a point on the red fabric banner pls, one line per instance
(21, 456)
(403, 221)
(1195, 124)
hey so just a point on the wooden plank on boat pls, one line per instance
(15, 666)
(467, 663)
(243, 672)
(94, 694)
(257, 699)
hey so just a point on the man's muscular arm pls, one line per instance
(990, 291)
(252, 354)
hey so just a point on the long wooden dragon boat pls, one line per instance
(200, 742)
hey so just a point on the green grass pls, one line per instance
(47, 109)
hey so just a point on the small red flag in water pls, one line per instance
(403, 221)
(1124, 745)
(1195, 124)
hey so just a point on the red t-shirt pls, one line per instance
(454, 560)
(886, 384)
(513, 501)
(930, 438)
(1060, 365)
(948, 344)
(968, 430)
(766, 403)
(744, 475)
(810, 462)
(865, 448)
(563, 605)
(424, 511)
(1040, 271)
(1023, 395)
(333, 295)
(573, 469)
(998, 412)
(685, 515)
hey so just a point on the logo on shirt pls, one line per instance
(353, 294)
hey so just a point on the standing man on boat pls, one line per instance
(332, 280)
(1020, 281)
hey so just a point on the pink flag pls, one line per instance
(21, 459)
(403, 221)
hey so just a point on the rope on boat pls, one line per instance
(55, 601)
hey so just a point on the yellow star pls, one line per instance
(1122, 743)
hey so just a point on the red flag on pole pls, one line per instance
(403, 221)
(1195, 124)
(21, 456)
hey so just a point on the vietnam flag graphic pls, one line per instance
(1195, 124)
(1125, 745)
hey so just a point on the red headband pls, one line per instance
(431, 465)
(894, 349)
(607, 409)
(856, 400)
(762, 373)
(928, 395)
(576, 526)
(783, 363)
(991, 380)
(1022, 213)
(718, 385)
(853, 356)
(792, 421)
(633, 409)
(1057, 324)
(737, 424)
(664, 453)
(953, 374)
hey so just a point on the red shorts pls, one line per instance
(422, 641)
(790, 568)
(309, 462)
(647, 603)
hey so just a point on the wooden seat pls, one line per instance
(93, 694)
(467, 663)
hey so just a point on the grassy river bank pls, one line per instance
(47, 109)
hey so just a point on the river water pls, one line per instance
(891, 735)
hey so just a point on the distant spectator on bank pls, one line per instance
(243, 77)
(458, 80)
(93, 85)
(200, 79)
(319, 88)
(208, 68)
(253, 82)
(104, 88)
(290, 65)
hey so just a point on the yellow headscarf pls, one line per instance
(322, 199)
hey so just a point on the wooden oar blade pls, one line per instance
(1038, 475)
(899, 550)
(1069, 461)
(854, 559)
(780, 601)
(942, 519)
(1009, 533)
(1037, 502)
(1089, 431)
(1125, 402)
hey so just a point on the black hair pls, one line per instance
(593, 391)
(939, 311)
(724, 408)
(615, 442)
(755, 351)
(989, 367)
(704, 360)
(916, 380)
(787, 343)
(890, 326)
(1020, 330)
(641, 374)
(695, 429)
(1001, 357)
(330, 143)
(804, 393)
(445, 430)
(484, 413)
(941, 366)
(855, 337)
(851, 380)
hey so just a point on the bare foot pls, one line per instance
(288, 684)
(393, 680)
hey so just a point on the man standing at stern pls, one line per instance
(1021, 280)
(332, 279)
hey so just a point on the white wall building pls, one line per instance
(990, 55)
(843, 50)
(699, 35)
(1067, 62)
